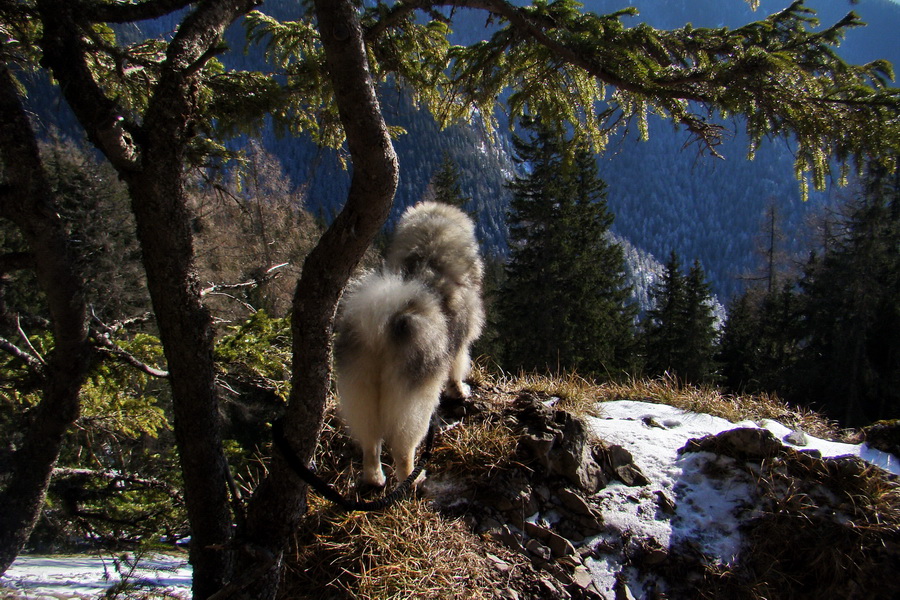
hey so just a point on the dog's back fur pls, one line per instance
(404, 333)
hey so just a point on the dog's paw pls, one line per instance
(458, 390)
(373, 479)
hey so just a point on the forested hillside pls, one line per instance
(664, 197)
(711, 209)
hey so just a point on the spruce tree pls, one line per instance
(662, 323)
(679, 332)
(850, 357)
(738, 351)
(700, 336)
(445, 184)
(564, 304)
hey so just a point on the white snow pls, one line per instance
(80, 576)
(707, 508)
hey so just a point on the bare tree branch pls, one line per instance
(24, 336)
(30, 361)
(270, 274)
(109, 347)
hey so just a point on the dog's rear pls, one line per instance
(435, 243)
(403, 332)
(391, 356)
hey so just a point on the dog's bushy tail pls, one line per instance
(394, 323)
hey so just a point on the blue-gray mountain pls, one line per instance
(664, 197)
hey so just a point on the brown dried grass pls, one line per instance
(581, 396)
(406, 551)
(710, 400)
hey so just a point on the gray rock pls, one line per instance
(548, 586)
(796, 438)
(742, 443)
(582, 577)
(631, 475)
(498, 563)
(559, 546)
(536, 531)
(651, 422)
(590, 525)
(616, 456)
(619, 464)
(664, 502)
(508, 538)
(574, 502)
(560, 443)
(621, 589)
(537, 549)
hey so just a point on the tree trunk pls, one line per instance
(325, 272)
(28, 201)
(185, 328)
(150, 158)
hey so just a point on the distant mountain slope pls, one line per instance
(667, 198)
(664, 198)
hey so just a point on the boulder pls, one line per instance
(559, 443)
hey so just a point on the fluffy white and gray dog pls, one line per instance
(404, 332)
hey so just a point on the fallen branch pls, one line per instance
(270, 274)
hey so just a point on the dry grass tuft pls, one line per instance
(474, 447)
(830, 529)
(709, 400)
(407, 551)
(577, 395)
(580, 396)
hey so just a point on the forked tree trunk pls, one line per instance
(28, 201)
(281, 499)
(152, 163)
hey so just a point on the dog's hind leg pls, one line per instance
(404, 458)
(361, 411)
(372, 472)
(459, 369)
(409, 425)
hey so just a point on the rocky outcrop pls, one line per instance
(537, 503)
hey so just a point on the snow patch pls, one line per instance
(709, 497)
(80, 576)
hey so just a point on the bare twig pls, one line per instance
(10, 348)
(270, 274)
(108, 346)
(34, 352)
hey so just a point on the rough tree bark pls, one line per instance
(28, 201)
(325, 272)
(150, 158)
